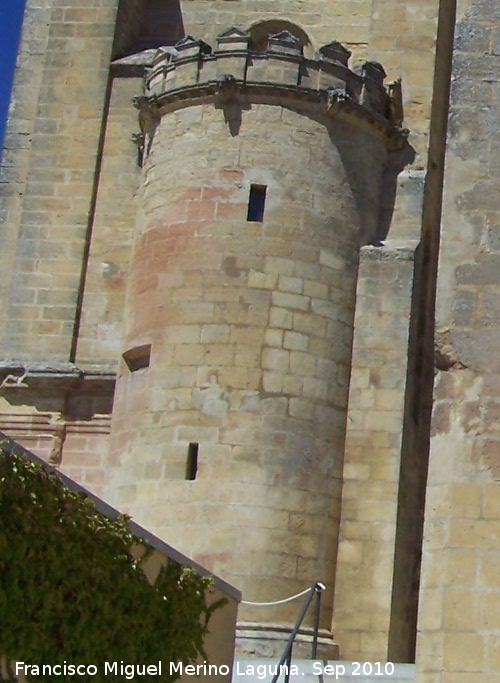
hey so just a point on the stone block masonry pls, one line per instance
(365, 565)
(100, 331)
(67, 96)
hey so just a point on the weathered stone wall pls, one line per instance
(403, 39)
(100, 330)
(322, 20)
(48, 176)
(17, 144)
(459, 615)
(59, 115)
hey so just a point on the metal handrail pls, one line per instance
(316, 588)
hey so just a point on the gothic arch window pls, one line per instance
(260, 32)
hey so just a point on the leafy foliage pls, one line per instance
(70, 589)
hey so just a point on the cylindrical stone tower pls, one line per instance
(262, 176)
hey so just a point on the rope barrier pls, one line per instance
(281, 602)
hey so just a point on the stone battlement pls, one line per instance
(178, 76)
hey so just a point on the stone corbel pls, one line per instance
(228, 89)
(58, 439)
(227, 97)
(395, 112)
(149, 118)
(335, 96)
(149, 113)
(139, 140)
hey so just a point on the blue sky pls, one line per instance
(11, 12)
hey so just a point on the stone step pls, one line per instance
(308, 671)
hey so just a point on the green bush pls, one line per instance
(70, 590)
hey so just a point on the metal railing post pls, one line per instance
(287, 654)
(317, 608)
(288, 666)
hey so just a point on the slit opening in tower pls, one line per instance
(192, 461)
(138, 358)
(257, 203)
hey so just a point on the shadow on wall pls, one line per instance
(370, 191)
(144, 24)
(396, 162)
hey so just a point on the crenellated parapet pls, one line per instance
(191, 70)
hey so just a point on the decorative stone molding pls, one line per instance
(233, 39)
(21, 375)
(285, 43)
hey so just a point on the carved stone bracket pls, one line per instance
(139, 139)
(149, 119)
(149, 114)
(227, 96)
(336, 95)
(228, 89)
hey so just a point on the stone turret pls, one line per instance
(262, 178)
